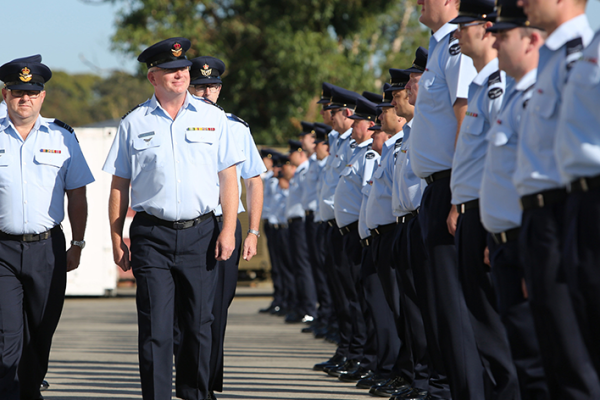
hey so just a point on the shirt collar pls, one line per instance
(346, 134)
(365, 143)
(392, 141)
(527, 80)
(302, 166)
(154, 104)
(569, 30)
(443, 31)
(313, 157)
(481, 78)
(322, 162)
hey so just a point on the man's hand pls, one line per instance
(225, 246)
(451, 220)
(250, 246)
(121, 256)
(486, 256)
(73, 258)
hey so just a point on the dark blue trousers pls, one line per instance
(314, 243)
(288, 281)
(176, 274)
(420, 265)
(270, 232)
(514, 309)
(480, 297)
(569, 370)
(381, 330)
(455, 333)
(227, 272)
(415, 339)
(581, 255)
(33, 278)
(306, 293)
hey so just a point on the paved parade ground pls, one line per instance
(94, 355)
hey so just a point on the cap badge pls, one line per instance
(177, 50)
(25, 75)
(206, 71)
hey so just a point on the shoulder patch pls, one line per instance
(130, 111)
(370, 155)
(494, 93)
(454, 48)
(353, 145)
(64, 125)
(494, 78)
(235, 118)
(369, 146)
(207, 101)
(398, 143)
(574, 49)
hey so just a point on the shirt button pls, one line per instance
(25, 202)
(178, 180)
(25, 182)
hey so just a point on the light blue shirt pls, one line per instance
(268, 186)
(173, 165)
(537, 168)
(446, 78)
(407, 187)
(320, 180)
(279, 201)
(379, 202)
(2, 109)
(485, 98)
(35, 173)
(499, 201)
(356, 174)
(253, 165)
(293, 208)
(577, 145)
(363, 229)
(332, 174)
(309, 194)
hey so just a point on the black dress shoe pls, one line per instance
(334, 361)
(280, 311)
(357, 374)
(44, 386)
(320, 332)
(211, 396)
(347, 367)
(392, 387)
(371, 381)
(414, 394)
(293, 317)
(266, 310)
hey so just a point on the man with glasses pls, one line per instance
(206, 82)
(178, 156)
(40, 161)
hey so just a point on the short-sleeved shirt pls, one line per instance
(320, 180)
(279, 200)
(355, 175)
(577, 146)
(446, 78)
(363, 230)
(407, 187)
(379, 202)
(268, 186)
(2, 109)
(35, 173)
(309, 194)
(537, 168)
(332, 174)
(485, 98)
(293, 208)
(173, 165)
(253, 165)
(499, 201)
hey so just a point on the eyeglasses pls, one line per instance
(207, 88)
(463, 26)
(32, 94)
(171, 70)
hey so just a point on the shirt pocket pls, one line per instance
(545, 104)
(48, 167)
(202, 146)
(147, 152)
(473, 125)
(378, 172)
(6, 166)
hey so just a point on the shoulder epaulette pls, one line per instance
(130, 111)
(370, 154)
(353, 145)
(398, 143)
(574, 49)
(495, 77)
(64, 125)
(525, 94)
(212, 103)
(454, 48)
(235, 118)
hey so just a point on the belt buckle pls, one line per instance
(178, 225)
(462, 208)
(584, 184)
(540, 200)
(31, 237)
(376, 230)
(503, 237)
(404, 219)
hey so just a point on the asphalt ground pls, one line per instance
(94, 354)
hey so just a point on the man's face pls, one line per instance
(470, 37)
(433, 12)
(322, 150)
(512, 47)
(308, 142)
(541, 13)
(326, 114)
(379, 138)
(211, 91)
(338, 119)
(388, 119)
(288, 171)
(171, 80)
(20, 103)
(412, 87)
(400, 102)
(268, 163)
(296, 158)
(360, 130)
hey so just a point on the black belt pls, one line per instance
(381, 229)
(366, 242)
(279, 226)
(309, 213)
(331, 222)
(543, 199)
(219, 218)
(290, 220)
(506, 236)
(461, 208)
(177, 225)
(344, 230)
(29, 237)
(438, 175)
(407, 217)
(584, 184)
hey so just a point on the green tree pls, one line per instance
(278, 52)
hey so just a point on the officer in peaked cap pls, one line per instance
(398, 79)
(174, 196)
(420, 62)
(509, 16)
(205, 81)
(342, 98)
(475, 10)
(42, 161)
(307, 128)
(373, 97)
(307, 139)
(324, 101)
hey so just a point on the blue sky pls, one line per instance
(65, 31)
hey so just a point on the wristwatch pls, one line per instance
(80, 243)
(252, 231)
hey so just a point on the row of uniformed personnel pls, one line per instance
(477, 205)
(181, 158)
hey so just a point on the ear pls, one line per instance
(151, 78)
(4, 91)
